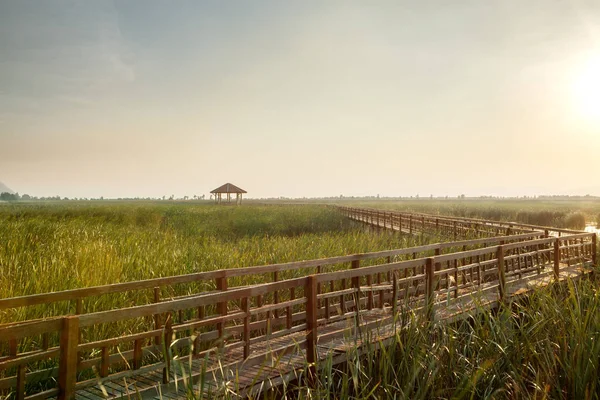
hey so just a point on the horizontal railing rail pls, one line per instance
(79, 295)
(416, 218)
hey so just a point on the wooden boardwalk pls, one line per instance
(214, 337)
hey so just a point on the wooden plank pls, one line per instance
(528, 243)
(208, 321)
(277, 306)
(29, 358)
(349, 274)
(118, 340)
(464, 254)
(193, 302)
(29, 329)
(43, 395)
(66, 295)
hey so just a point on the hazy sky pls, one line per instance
(300, 98)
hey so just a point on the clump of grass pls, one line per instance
(575, 221)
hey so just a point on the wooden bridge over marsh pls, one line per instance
(249, 329)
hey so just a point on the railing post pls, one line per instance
(105, 362)
(394, 293)
(310, 291)
(137, 354)
(67, 370)
(157, 324)
(21, 376)
(168, 339)
(246, 310)
(276, 294)
(221, 306)
(557, 259)
(430, 288)
(356, 287)
(319, 303)
(594, 254)
(289, 312)
(501, 277)
(438, 266)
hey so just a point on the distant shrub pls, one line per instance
(598, 221)
(575, 221)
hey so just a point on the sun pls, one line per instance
(586, 90)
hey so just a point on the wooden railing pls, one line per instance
(86, 348)
(86, 299)
(452, 227)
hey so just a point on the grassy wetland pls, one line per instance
(53, 247)
(546, 347)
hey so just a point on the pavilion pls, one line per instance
(228, 188)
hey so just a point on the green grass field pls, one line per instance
(548, 347)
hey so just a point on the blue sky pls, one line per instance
(152, 98)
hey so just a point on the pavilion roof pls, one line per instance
(228, 188)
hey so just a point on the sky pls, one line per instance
(300, 98)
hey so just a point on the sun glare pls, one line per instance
(586, 90)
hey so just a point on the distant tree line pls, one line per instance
(6, 196)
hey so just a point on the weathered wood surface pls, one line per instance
(294, 321)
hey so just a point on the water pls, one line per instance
(591, 228)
